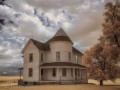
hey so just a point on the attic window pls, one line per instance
(30, 57)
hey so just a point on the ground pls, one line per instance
(10, 83)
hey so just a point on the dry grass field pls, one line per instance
(8, 80)
(10, 83)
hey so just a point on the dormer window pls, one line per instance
(57, 56)
(30, 57)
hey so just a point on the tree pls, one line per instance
(102, 63)
(103, 58)
(111, 26)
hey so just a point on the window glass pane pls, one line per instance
(64, 72)
(75, 72)
(30, 72)
(76, 58)
(69, 56)
(42, 57)
(54, 72)
(72, 72)
(30, 57)
(57, 56)
(78, 72)
(41, 71)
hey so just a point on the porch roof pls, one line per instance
(62, 64)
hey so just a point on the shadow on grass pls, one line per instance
(111, 85)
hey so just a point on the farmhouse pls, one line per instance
(53, 62)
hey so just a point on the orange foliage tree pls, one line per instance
(103, 58)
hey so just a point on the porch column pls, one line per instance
(80, 74)
(58, 74)
(73, 74)
(39, 75)
(86, 76)
(20, 72)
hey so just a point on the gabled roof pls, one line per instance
(60, 36)
(61, 32)
(41, 46)
(76, 51)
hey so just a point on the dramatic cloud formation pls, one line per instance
(40, 19)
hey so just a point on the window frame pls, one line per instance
(57, 56)
(31, 57)
(69, 56)
(72, 72)
(42, 72)
(42, 57)
(76, 58)
(54, 72)
(30, 72)
(64, 72)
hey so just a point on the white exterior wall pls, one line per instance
(74, 58)
(31, 48)
(47, 76)
(64, 47)
(68, 74)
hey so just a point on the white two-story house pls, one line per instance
(55, 61)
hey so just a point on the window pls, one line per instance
(76, 58)
(30, 57)
(69, 56)
(72, 72)
(30, 72)
(64, 72)
(75, 72)
(78, 72)
(57, 56)
(54, 72)
(41, 72)
(41, 57)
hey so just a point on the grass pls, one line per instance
(107, 82)
(8, 80)
(10, 83)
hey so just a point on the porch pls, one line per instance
(63, 75)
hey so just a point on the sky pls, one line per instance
(40, 19)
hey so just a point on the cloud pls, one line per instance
(40, 19)
(20, 6)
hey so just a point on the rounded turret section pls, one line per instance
(61, 50)
(61, 47)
